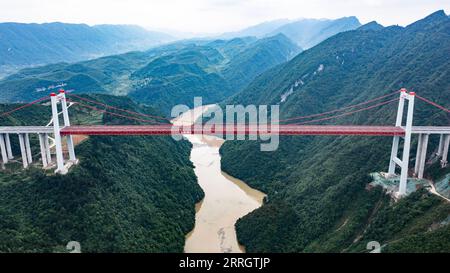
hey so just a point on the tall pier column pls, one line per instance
(418, 154)
(28, 149)
(47, 149)
(43, 150)
(23, 150)
(8, 147)
(445, 147)
(3, 149)
(421, 155)
(441, 145)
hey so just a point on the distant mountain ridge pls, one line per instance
(310, 32)
(36, 44)
(162, 76)
(371, 26)
(259, 30)
(305, 32)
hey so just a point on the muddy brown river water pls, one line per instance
(226, 198)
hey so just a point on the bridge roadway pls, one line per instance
(26, 129)
(248, 130)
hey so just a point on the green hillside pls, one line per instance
(128, 194)
(254, 60)
(317, 197)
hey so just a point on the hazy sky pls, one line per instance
(212, 15)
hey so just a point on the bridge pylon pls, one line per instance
(61, 97)
(403, 163)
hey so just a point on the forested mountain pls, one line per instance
(305, 32)
(213, 71)
(128, 194)
(317, 196)
(163, 76)
(256, 59)
(37, 44)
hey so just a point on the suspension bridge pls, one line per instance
(157, 125)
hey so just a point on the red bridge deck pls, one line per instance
(247, 130)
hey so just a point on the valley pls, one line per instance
(226, 198)
(203, 194)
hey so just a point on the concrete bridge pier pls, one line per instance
(43, 150)
(47, 149)
(3, 149)
(28, 148)
(8, 147)
(441, 145)
(23, 150)
(443, 149)
(421, 155)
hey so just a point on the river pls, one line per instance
(226, 198)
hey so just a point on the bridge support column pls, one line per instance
(404, 162)
(47, 149)
(43, 150)
(8, 147)
(445, 147)
(69, 138)
(60, 168)
(3, 149)
(441, 145)
(418, 154)
(28, 149)
(421, 155)
(23, 151)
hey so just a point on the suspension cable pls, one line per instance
(348, 113)
(433, 104)
(340, 109)
(119, 115)
(24, 106)
(283, 120)
(117, 108)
